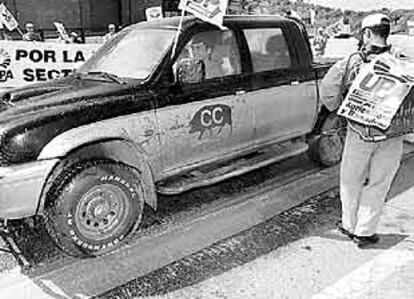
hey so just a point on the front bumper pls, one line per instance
(21, 187)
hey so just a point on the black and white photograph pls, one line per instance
(207, 149)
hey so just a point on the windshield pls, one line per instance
(131, 53)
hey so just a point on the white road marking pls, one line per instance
(360, 282)
(369, 276)
(16, 285)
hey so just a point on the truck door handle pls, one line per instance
(240, 92)
(294, 83)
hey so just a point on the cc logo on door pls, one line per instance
(209, 117)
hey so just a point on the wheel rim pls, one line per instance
(102, 212)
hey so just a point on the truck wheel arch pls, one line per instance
(119, 150)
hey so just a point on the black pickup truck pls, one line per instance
(151, 113)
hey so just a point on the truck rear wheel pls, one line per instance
(94, 208)
(327, 144)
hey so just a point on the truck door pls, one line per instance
(205, 119)
(283, 99)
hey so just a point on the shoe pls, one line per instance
(364, 241)
(344, 231)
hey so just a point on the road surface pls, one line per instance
(270, 228)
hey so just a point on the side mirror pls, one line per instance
(190, 71)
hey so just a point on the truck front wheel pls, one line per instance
(327, 143)
(94, 208)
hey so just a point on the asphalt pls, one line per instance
(183, 226)
(181, 276)
(320, 263)
(326, 266)
(273, 241)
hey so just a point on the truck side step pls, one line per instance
(214, 173)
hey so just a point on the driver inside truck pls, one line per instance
(202, 47)
(215, 50)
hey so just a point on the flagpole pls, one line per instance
(177, 35)
(20, 31)
(315, 31)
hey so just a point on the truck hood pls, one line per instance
(32, 116)
(58, 96)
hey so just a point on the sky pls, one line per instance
(366, 4)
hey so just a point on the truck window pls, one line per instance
(268, 49)
(218, 50)
(131, 53)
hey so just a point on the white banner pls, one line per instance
(24, 63)
(211, 11)
(378, 91)
(7, 18)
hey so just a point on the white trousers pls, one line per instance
(363, 200)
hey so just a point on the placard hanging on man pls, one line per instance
(379, 92)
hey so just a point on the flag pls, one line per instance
(211, 11)
(7, 18)
(294, 14)
(62, 31)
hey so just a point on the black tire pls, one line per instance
(327, 143)
(94, 208)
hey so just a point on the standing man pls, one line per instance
(201, 48)
(370, 159)
(111, 32)
(74, 38)
(30, 34)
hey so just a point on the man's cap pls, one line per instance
(111, 26)
(375, 20)
(29, 25)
